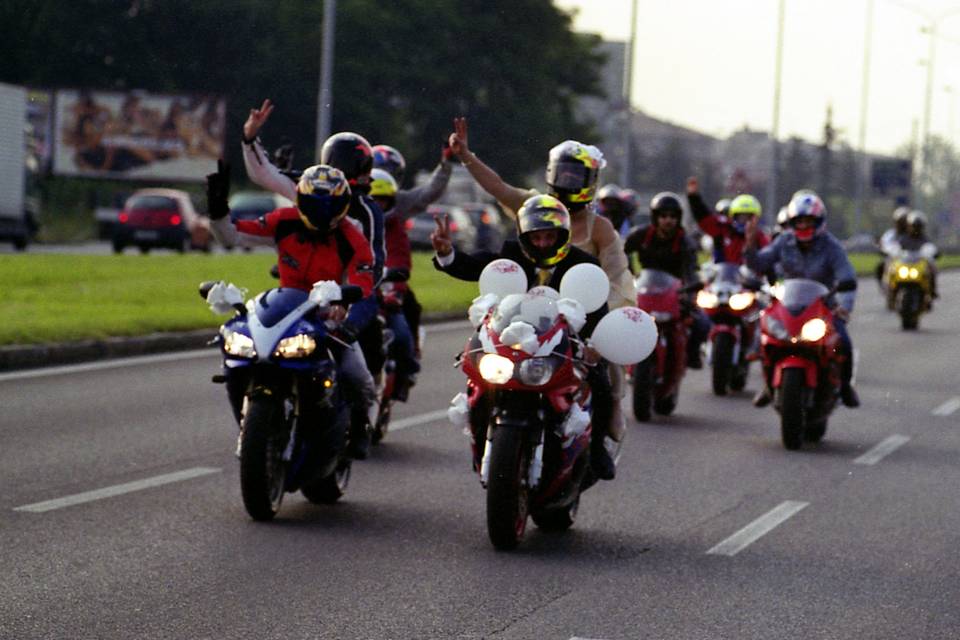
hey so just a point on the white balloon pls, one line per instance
(587, 284)
(625, 336)
(544, 291)
(502, 277)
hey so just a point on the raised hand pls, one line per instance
(256, 119)
(458, 139)
(218, 190)
(442, 242)
(693, 185)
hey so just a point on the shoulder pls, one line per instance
(603, 231)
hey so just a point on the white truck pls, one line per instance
(15, 224)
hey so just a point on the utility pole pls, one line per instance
(325, 93)
(626, 177)
(862, 141)
(775, 129)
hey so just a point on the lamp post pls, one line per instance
(862, 140)
(325, 92)
(626, 176)
(774, 129)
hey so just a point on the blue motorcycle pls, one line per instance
(281, 379)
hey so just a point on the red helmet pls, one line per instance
(806, 204)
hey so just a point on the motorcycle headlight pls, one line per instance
(536, 371)
(740, 301)
(776, 328)
(298, 346)
(903, 271)
(707, 299)
(495, 368)
(914, 273)
(237, 344)
(813, 330)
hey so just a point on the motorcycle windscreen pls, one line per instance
(276, 304)
(799, 293)
(655, 281)
(538, 311)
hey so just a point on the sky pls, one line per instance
(710, 64)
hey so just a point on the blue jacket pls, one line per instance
(824, 261)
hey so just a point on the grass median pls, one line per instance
(58, 298)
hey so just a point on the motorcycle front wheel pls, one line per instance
(791, 408)
(262, 469)
(642, 390)
(507, 490)
(910, 303)
(723, 346)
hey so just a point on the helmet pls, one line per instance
(382, 184)
(723, 206)
(609, 190)
(782, 217)
(572, 172)
(542, 213)
(917, 220)
(744, 204)
(323, 197)
(900, 214)
(629, 198)
(390, 160)
(806, 204)
(664, 202)
(352, 154)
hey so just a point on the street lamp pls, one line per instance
(774, 129)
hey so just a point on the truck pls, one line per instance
(17, 224)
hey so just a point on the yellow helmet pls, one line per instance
(382, 184)
(323, 197)
(745, 204)
(544, 213)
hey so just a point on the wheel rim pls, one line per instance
(276, 472)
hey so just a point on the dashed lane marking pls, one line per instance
(882, 450)
(947, 407)
(758, 528)
(412, 421)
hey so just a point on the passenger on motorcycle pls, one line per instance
(890, 240)
(726, 229)
(915, 238)
(807, 250)
(312, 245)
(407, 203)
(663, 245)
(544, 251)
(613, 207)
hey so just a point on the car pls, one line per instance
(420, 226)
(492, 226)
(250, 205)
(166, 218)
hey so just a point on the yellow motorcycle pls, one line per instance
(909, 288)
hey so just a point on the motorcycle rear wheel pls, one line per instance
(791, 409)
(642, 390)
(331, 488)
(262, 469)
(665, 406)
(557, 519)
(507, 490)
(723, 346)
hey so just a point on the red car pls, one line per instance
(162, 218)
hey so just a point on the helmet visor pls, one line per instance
(572, 176)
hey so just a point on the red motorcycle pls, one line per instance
(730, 301)
(801, 361)
(390, 294)
(657, 378)
(527, 409)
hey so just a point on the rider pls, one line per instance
(573, 170)
(544, 251)
(914, 240)
(807, 250)
(726, 228)
(312, 245)
(890, 240)
(407, 203)
(613, 207)
(663, 245)
(383, 190)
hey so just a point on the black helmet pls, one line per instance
(541, 213)
(573, 169)
(665, 202)
(323, 197)
(390, 160)
(352, 154)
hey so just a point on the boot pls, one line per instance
(601, 463)
(849, 396)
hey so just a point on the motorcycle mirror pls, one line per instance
(846, 285)
(275, 271)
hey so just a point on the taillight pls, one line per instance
(408, 224)
(175, 220)
(123, 217)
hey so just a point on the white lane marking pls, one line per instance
(757, 529)
(413, 421)
(882, 450)
(116, 490)
(947, 407)
(109, 364)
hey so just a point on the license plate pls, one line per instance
(145, 235)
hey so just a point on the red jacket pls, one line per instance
(728, 243)
(306, 257)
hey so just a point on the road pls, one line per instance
(121, 515)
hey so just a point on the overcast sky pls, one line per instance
(709, 64)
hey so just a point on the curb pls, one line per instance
(32, 356)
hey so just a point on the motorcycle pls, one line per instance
(909, 284)
(730, 301)
(657, 379)
(801, 362)
(282, 384)
(527, 407)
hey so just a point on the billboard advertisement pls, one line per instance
(137, 136)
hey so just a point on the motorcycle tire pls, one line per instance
(723, 346)
(642, 390)
(815, 432)
(262, 469)
(507, 491)
(910, 304)
(738, 381)
(791, 409)
(331, 488)
(665, 406)
(383, 423)
(557, 519)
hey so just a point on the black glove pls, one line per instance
(218, 189)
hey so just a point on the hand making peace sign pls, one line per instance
(441, 239)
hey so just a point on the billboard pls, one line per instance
(136, 135)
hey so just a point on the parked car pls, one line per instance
(492, 226)
(250, 205)
(161, 218)
(420, 226)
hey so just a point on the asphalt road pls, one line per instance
(121, 515)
